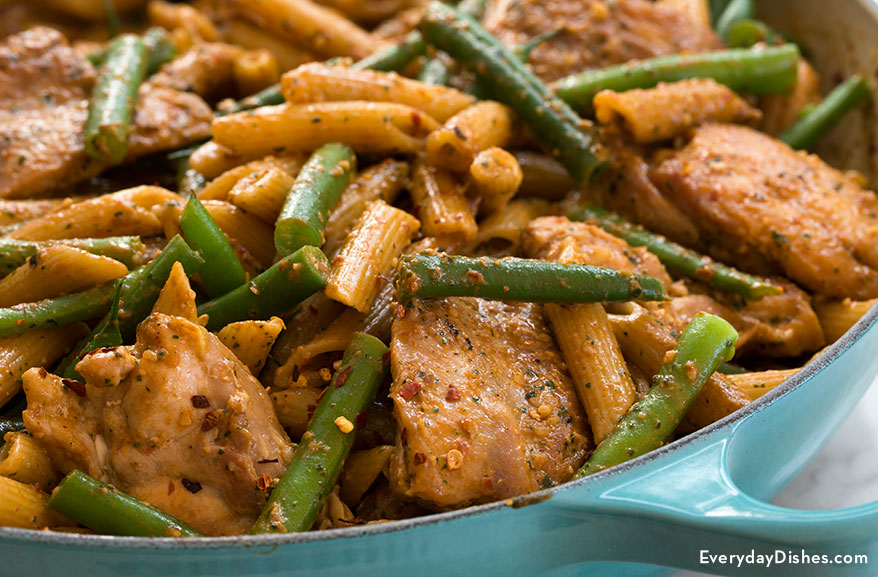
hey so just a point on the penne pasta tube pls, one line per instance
(24, 460)
(501, 231)
(757, 384)
(22, 505)
(287, 54)
(370, 251)
(372, 12)
(251, 341)
(254, 70)
(321, 30)
(382, 181)
(440, 203)
(780, 111)
(262, 193)
(17, 211)
(256, 237)
(177, 297)
(671, 108)
(495, 177)
(36, 348)
(836, 317)
(212, 159)
(57, 270)
(170, 16)
(295, 406)
(455, 145)
(595, 362)
(317, 82)
(361, 470)
(367, 127)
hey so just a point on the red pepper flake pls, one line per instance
(343, 376)
(191, 486)
(75, 386)
(313, 310)
(416, 121)
(404, 436)
(263, 483)
(488, 483)
(452, 395)
(410, 390)
(361, 420)
(310, 409)
(43, 373)
(20, 322)
(171, 487)
(200, 402)
(419, 459)
(210, 421)
(385, 358)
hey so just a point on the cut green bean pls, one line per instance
(439, 275)
(10, 426)
(108, 511)
(60, 311)
(105, 334)
(735, 11)
(221, 271)
(772, 70)
(126, 249)
(556, 126)
(290, 281)
(160, 47)
(435, 71)
(706, 342)
(747, 32)
(112, 16)
(679, 258)
(523, 51)
(717, 7)
(111, 107)
(315, 191)
(300, 494)
(810, 128)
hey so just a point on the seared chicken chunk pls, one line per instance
(596, 33)
(763, 206)
(175, 420)
(485, 407)
(44, 91)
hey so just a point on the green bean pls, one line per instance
(439, 275)
(747, 32)
(844, 98)
(315, 191)
(126, 249)
(270, 96)
(290, 281)
(160, 47)
(717, 7)
(706, 342)
(770, 70)
(111, 107)
(523, 51)
(10, 426)
(55, 312)
(112, 16)
(221, 271)
(679, 258)
(556, 126)
(735, 11)
(108, 511)
(435, 71)
(300, 494)
(104, 334)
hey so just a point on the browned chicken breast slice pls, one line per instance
(596, 33)
(175, 420)
(762, 206)
(44, 91)
(485, 407)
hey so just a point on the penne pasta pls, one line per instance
(287, 54)
(36, 348)
(256, 237)
(370, 12)
(127, 212)
(317, 82)
(320, 30)
(17, 211)
(24, 506)
(254, 70)
(177, 297)
(501, 231)
(455, 145)
(262, 193)
(170, 16)
(382, 181)
(780, 111)
(836, 317)
(22, 459)
(671, 108)
(440, 204)
(294, 407)
(367, 127)
(495, 177)
(757, 384)
(251, 341)
(212, 159)
(57, 270)
(361, 470)
(369, 253)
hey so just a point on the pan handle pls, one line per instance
(680, 513)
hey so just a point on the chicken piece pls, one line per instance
(783, 325)
(485, 407)
(762, 206)
(44, 91)
(175, 420)
(596, 33)
(207, 70)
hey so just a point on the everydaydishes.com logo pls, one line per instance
(778, 557)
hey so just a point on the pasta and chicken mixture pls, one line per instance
(282, 265)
